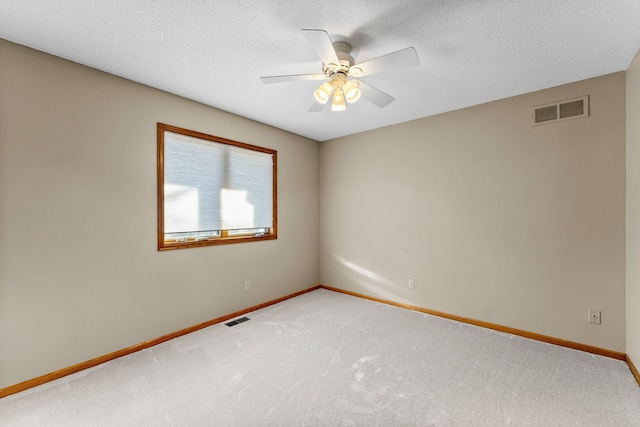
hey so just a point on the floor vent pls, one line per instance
(562, 110)
(235, 322)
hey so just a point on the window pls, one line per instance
(213, 190)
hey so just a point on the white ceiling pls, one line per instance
(213, 52)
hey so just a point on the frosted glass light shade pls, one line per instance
(338, 103)
(323, 93)
(351, 91)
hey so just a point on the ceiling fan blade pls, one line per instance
(321, 44)
(401, 58)
(317, 107)
(373, 95)
(291, 78)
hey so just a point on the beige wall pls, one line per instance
(633, 211)
(80, 275)
(495, 220)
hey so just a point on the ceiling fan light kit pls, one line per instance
(341, 89)
(339, 68)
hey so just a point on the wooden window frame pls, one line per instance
(224, 237)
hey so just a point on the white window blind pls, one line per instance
(211, 186)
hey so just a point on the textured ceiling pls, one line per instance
(471, 51)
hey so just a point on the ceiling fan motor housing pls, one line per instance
(343, 51)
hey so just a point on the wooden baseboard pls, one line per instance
(126, 351)
(634, 370)
(494, 326)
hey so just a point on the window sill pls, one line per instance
(165, 246)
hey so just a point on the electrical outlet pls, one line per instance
(594, 316)
(412, 284)
(247, 285)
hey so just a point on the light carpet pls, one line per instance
(328, 359)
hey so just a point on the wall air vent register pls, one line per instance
(561, 110)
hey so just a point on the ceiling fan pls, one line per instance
(339, 71)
